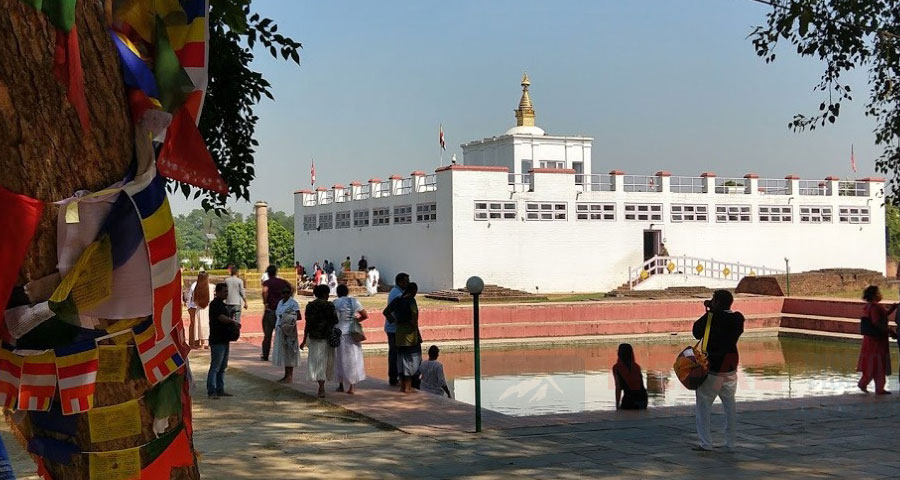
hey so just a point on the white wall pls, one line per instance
(509, 151)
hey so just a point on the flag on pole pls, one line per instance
(312, 173)
(852, 159)
(76, 371)
(441, 138)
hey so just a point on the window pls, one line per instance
(360, 218)
(342, 219)
(733, 213)
(309, 222)
(381, 216)
(552, 164)
(605, 212)
(325, 221)
(812, 214)
(402, 214)
(485, 210)
(775, 214)
(853, 214)
(426, 212)
(689, 213)
(546, 211)
(643, 212)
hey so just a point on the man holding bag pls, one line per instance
(725, 329)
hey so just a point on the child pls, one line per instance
(630, 391)
(432, 372)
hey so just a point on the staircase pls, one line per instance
(491, 293)
(704, 270)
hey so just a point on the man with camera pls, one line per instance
(725, 329)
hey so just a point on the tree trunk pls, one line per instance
(45, 154)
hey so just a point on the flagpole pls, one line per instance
(440, 144)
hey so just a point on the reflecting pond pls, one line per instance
(537, 381)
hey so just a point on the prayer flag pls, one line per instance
(173, 82)
(10, 375)
(441, 138)
(20, 214)
(184, 156)
(159, 357)
(177, 454)
(38, 384)
(312, 173)
(68, 71)
(76, 371)
(136, 72)
(852, 159)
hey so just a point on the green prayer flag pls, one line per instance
(165, 398)
(36, 4)
(61, 13)
(173, 82)
(135, 367)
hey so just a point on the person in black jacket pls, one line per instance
(722, 353)
(221, 322)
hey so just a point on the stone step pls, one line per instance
(820, 323)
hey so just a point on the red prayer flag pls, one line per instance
(19, 214)
(177, 454)
(68, 71)
(184, 156)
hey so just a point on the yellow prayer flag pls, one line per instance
(113, 365)
(94, 284)
(115, 465)
(115, 421)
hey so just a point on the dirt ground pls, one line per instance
(247, 436)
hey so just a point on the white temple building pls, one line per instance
(529, 211)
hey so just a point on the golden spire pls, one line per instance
(525, 112)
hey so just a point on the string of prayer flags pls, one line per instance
(115, 465)
(38, 381)
(184, 156)
(10, 375)
(19, 215)
(90, 280)
(76, 371)
(115, 421)
(23, 319)
(112, 365)
(159, 357)
(148, 192)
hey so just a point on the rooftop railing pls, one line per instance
(853, 189)
(641, 183)
(732, 186)
(813, 187)
(774, 186)
(429, 184)
(596, 182)
(520, 182)
(406, 186)
(686, 184)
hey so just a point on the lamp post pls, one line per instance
(475, 285)
(787, 270)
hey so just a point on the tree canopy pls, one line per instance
(236, 245)
(844, 35)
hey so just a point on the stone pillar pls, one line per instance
(618, 180)
(665, 181)
(793, 182)
(831, 185)
(753, 184)
(709, 182)
(262, 236)
(418, 181)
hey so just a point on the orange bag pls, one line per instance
(691, 365)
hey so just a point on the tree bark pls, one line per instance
(45, 154)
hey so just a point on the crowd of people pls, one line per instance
(325, 273)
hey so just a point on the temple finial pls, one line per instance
(525, 112)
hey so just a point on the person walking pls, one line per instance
(271, 295)
(630, 391)
(363, 264)
(401, 281)
(286, 346)
(725, 329)
(874, 354)
(404, 312)
(372, 279)
(220, 328)
(332, 284)
(433, 380)
(349, 367)
(236, 295)
(200, 294)
(321, 319)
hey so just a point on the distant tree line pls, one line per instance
(230, 239)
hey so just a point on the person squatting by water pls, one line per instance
(432, 372)
(630, 391)
(722, 353)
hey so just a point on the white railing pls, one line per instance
(521, 182)
(365, 191)
(814, 187)
(732, 186)
(774, 186)
(697, 267)
(595, 182)
(383, 189)
(406, 186)
(641, 183)
(327, 197)
(853, 189)
(342, 196)
(686, 184)
(310, 200)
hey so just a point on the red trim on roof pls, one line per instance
(338, 185)
(832, 177)
(418, 173)
(321, 189)
(871, 179)
(751, 175)
(471, 168)
(375, 180)
(663, 173)
(708, 175)
(616, 172)
(567, 171)
(792, 177)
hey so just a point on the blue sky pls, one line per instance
(660, 85)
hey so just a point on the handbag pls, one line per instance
(691, 364)
(289, 324)
(334, 339)
(867, 328)
(234, 331)
(356, 331)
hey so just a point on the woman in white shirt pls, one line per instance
(372, 281)
(198, 298)
(349, 367)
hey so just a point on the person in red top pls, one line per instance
(271, 295)
(874, 355)
(630, 391)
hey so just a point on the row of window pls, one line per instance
(679, 213)
(402, 214)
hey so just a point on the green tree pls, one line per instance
(235, 245)
(287, 221)
(191, 230)
(844, 35)
(892, 222)
(281, 244)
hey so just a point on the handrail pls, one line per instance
(695, 266)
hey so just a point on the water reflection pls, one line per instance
(531, 381)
